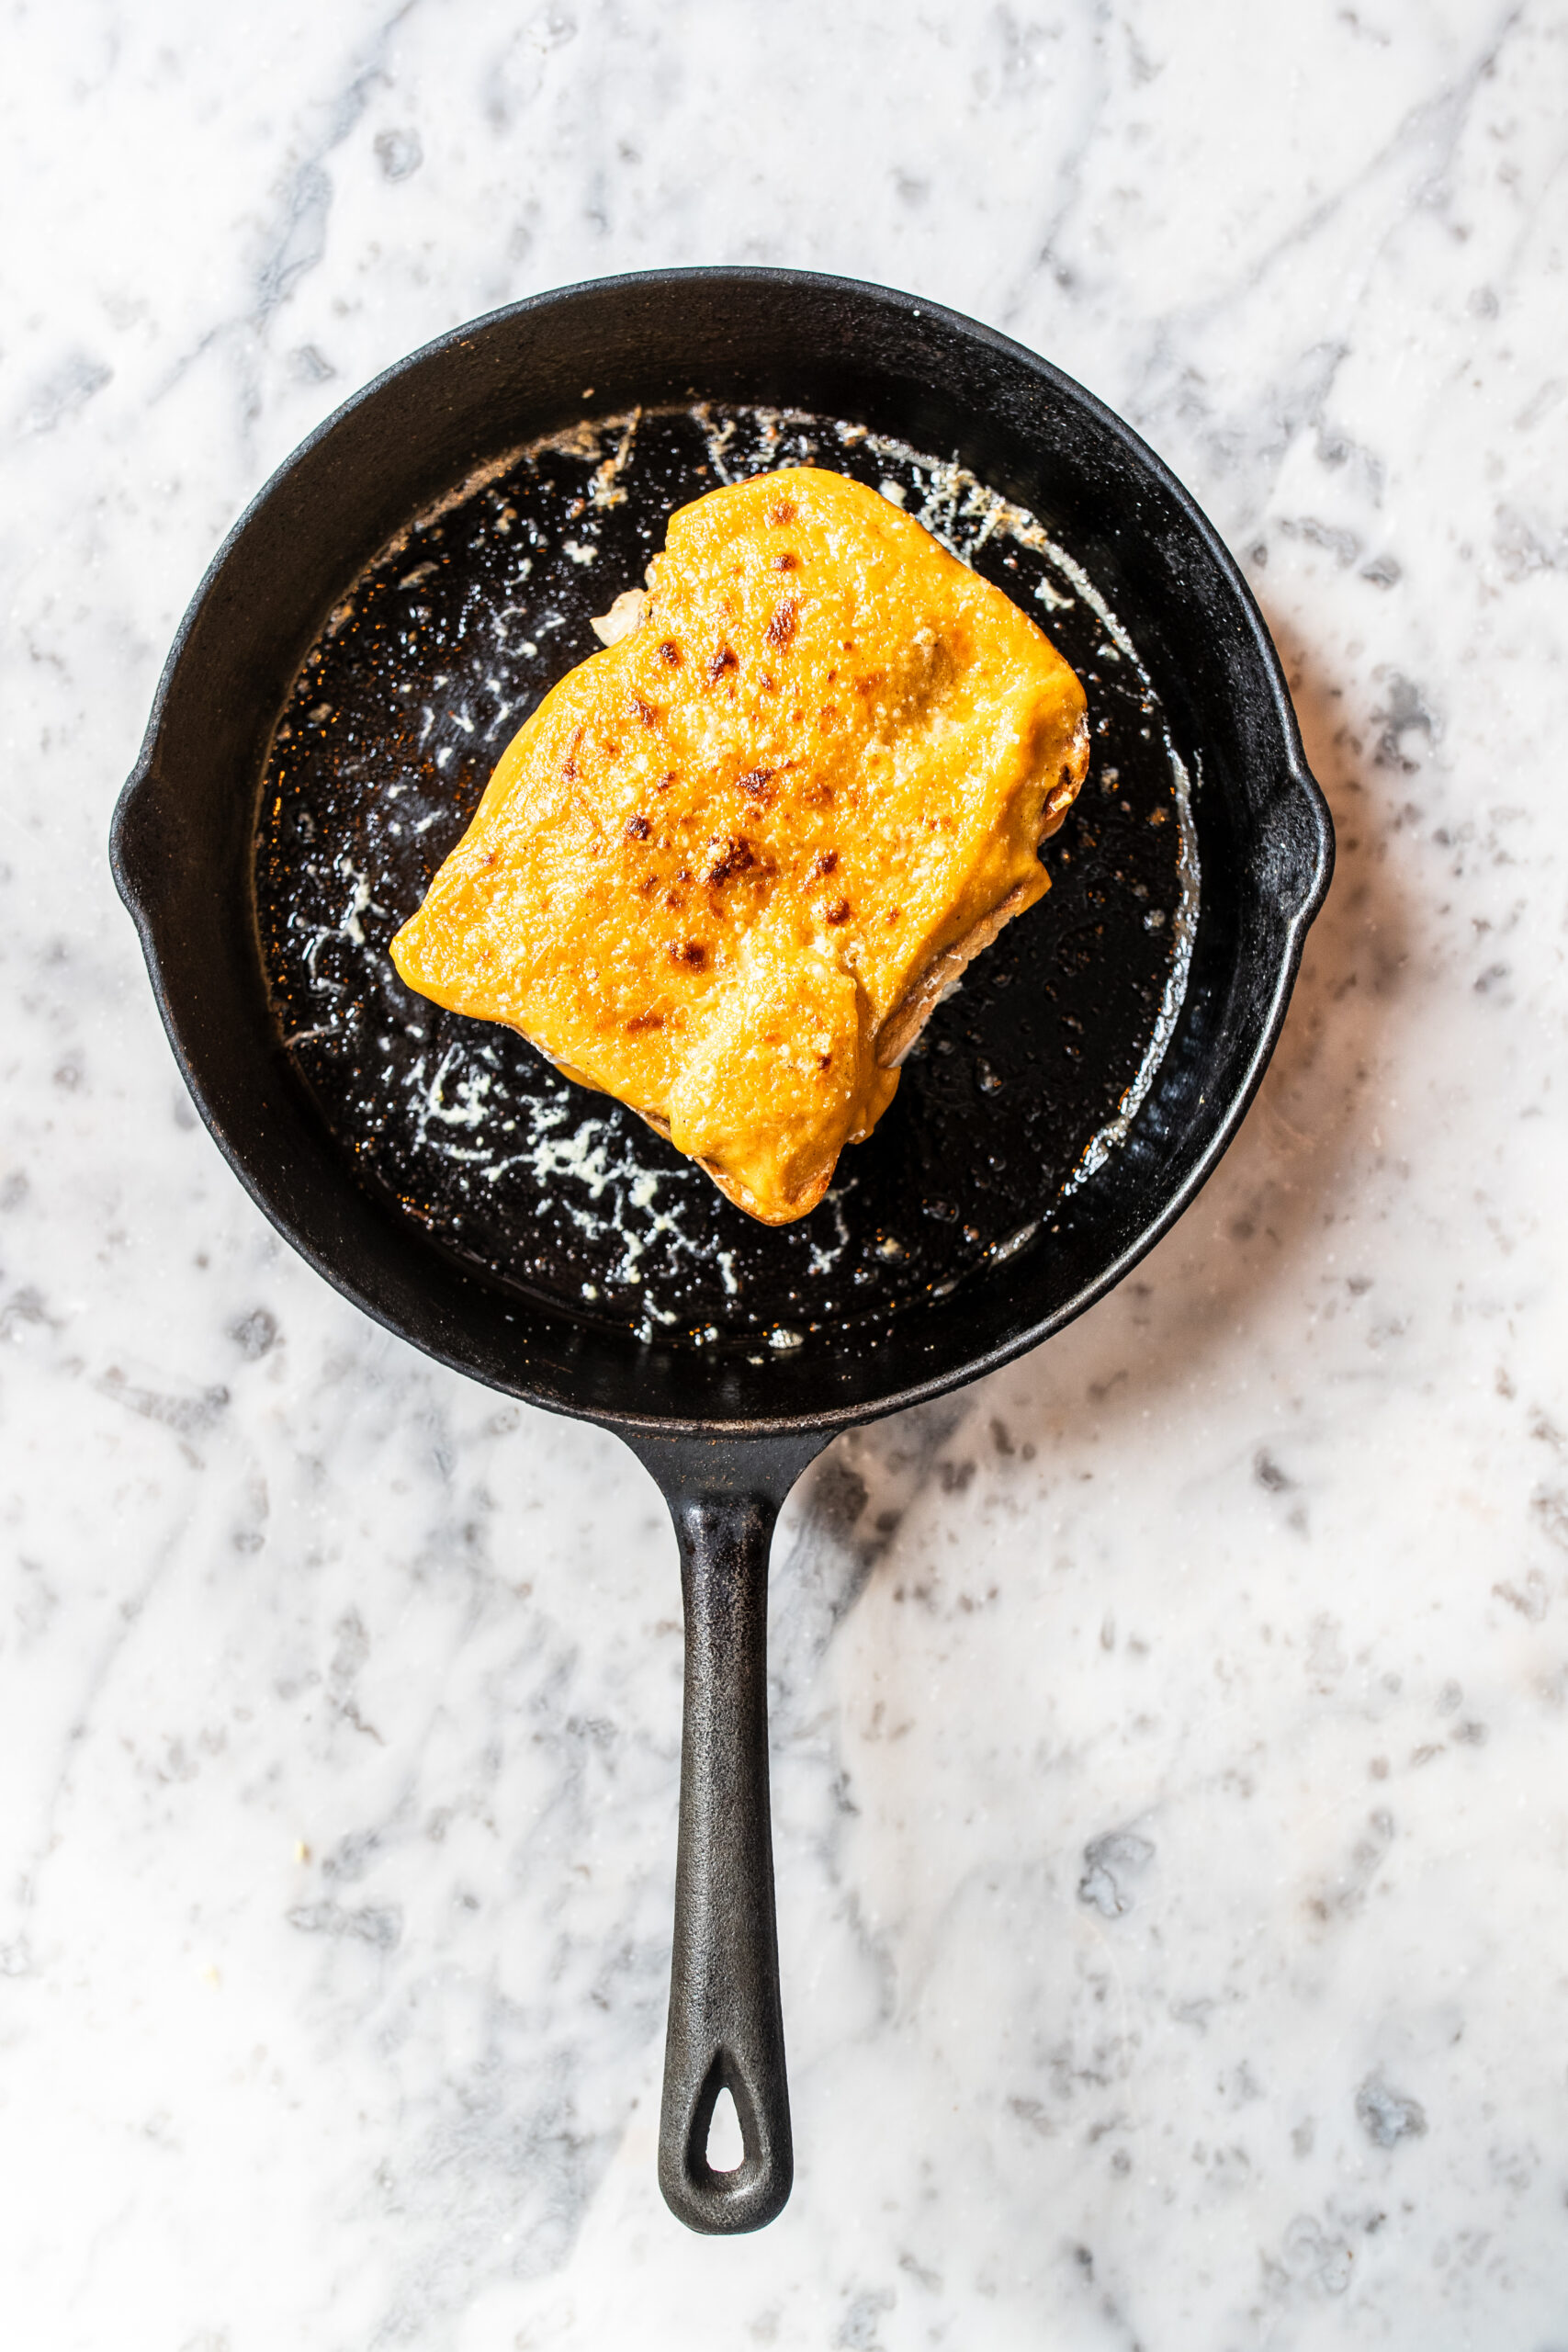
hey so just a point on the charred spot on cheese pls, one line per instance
(728, 857)
(706, 977)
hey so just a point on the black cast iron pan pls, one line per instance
(369, 636)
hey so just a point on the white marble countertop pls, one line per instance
(1170, 1734)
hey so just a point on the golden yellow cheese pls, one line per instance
(730, 863)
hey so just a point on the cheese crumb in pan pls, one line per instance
(731, 864)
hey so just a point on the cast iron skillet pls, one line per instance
(723, 1420)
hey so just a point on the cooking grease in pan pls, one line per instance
(1024, 1081)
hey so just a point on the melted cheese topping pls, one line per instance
(725, 868)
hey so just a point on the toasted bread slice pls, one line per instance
(731, 864)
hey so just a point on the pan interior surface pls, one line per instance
(1023, 1083)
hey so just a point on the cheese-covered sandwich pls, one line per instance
(729, 866)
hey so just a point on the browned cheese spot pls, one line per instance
(568, 766)
(785, 562)
(755, 782)
(645, 711)
(781, 628)
(687, 951)
(838, 912)
(641, 1021)
(824, 863)
(728, 855)
(722, 661)
(637, 827)
(669, 651)
(781, 511)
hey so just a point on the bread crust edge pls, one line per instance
(900, 1030)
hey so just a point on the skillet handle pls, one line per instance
(725, 2029)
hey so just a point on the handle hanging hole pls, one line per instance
(725, 2148)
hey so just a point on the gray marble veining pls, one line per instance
(1170, 1734)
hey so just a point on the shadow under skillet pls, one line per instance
(400, 710)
